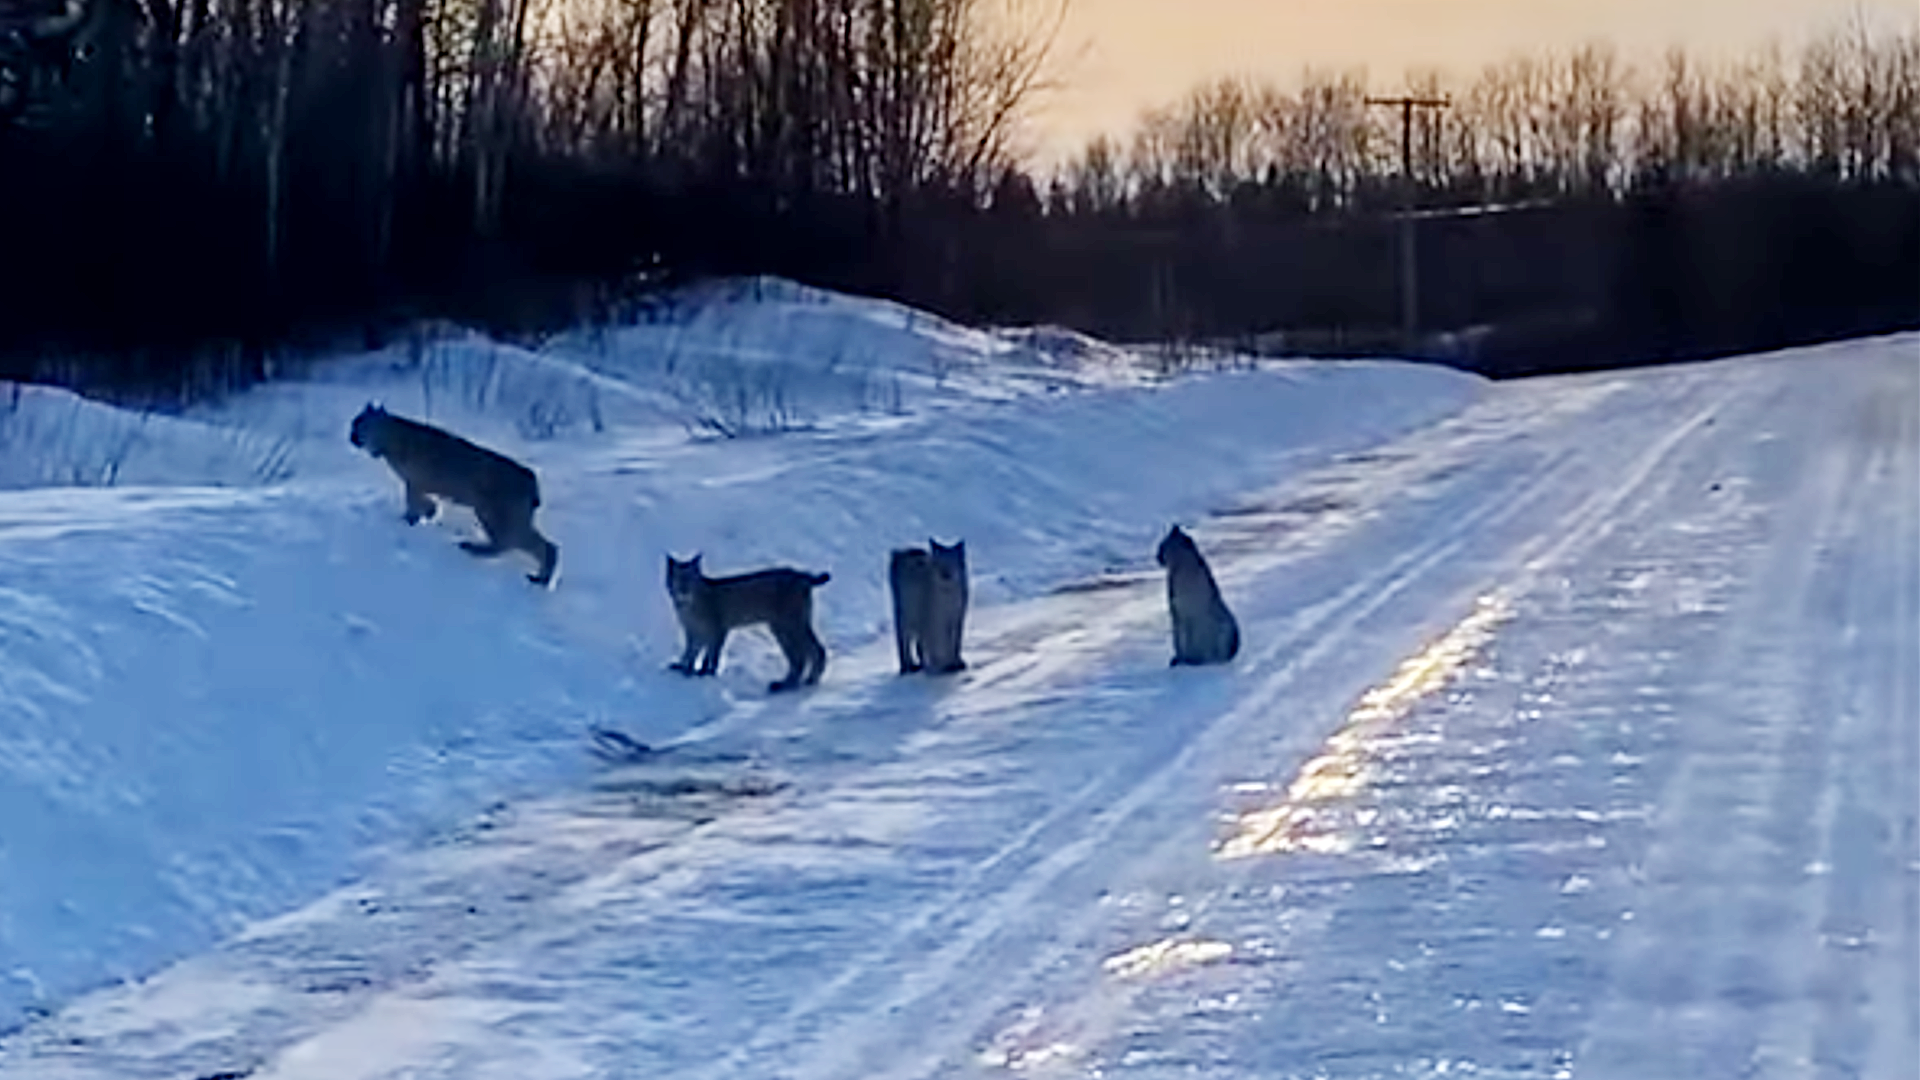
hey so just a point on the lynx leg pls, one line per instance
(548, 553)
(817, 654)
(684, 665)
(710, 663)
(906, 628)
(420, 506)
(797, 652)
(1183, 643)
(903, 641)
(520, 535)
(496, 528)
(943, 651)
(907, 579)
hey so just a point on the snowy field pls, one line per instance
(1577, 730)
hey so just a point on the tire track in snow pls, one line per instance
(1733, 762)
(1739, 962)
(1421, 958)
(995, 921)
(1537, 551)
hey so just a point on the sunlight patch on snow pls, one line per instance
(1023, 1060)
(1025, 1046)
(1166, 955)
(1349, 760)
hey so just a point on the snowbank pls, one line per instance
(724, 360)
(54, 438)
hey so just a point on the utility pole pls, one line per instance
(1409, 283)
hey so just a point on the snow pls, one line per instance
(55, 438)
(1575, 731)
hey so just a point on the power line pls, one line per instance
(1409, 275)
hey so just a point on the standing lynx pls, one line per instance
(929, 606)
(1204, 631)
(430, 462)
(709, 608)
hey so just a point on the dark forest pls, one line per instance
(197, 186)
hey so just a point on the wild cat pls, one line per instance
(502, 492)
(1204, 631)
(781, 598)
(929, 606)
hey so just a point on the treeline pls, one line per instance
(176, 172)
(1846, 108)
(224, 177)
(1570, 210)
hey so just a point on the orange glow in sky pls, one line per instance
(1121, 56)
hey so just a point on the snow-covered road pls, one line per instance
(1577, 735)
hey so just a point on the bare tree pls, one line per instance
(1094, 179)
(1333, 137)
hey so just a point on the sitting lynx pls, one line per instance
(709, 608)
(430, 462)
(1204, 631)
(929, 606)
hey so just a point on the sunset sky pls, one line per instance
(1132, 54)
